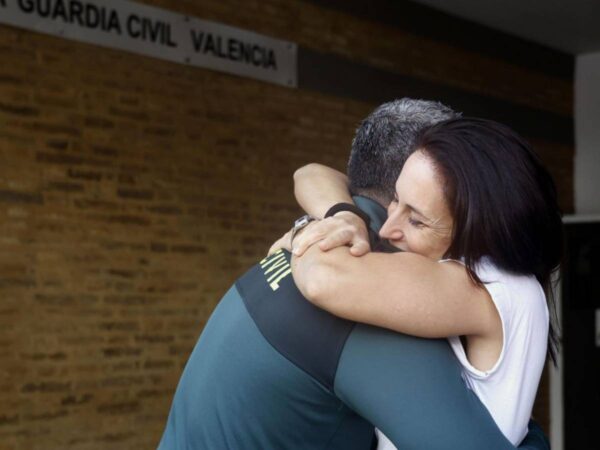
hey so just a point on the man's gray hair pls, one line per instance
(383, 142)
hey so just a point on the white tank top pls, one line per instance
(509, 388)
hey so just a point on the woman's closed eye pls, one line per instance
(415, 222)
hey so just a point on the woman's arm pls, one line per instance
(404, 292)
(318, 188)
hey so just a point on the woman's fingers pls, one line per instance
(311, 234)
(353, 233)
(337, 238)
(360, 248)
(346, 230)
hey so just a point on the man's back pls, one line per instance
(271, 371)
(261, 375)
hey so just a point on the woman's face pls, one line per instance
(418, 219)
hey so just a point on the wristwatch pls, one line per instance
(300, 223)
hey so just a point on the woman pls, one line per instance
(477, 217)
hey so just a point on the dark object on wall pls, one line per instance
(581, 353)
(322, 72)
(430, 23)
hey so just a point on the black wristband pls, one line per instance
(338, 207)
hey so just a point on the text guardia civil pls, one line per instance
(91, 16)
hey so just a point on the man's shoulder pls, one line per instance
(307, 336)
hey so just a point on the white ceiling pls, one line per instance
(572, 26)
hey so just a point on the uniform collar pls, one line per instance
(376, 212)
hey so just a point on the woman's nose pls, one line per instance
(391, 229)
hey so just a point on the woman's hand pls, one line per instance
(343, 229)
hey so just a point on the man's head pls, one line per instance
(383, 142)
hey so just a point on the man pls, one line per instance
(271, 371)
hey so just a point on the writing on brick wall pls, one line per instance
(159, 33)
(234, 49)
(99, 17)
(73, 12)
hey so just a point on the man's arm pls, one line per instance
(412, 390)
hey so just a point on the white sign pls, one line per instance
(158, 33)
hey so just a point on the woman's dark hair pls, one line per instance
(502, 199)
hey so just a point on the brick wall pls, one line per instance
(134, 191)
